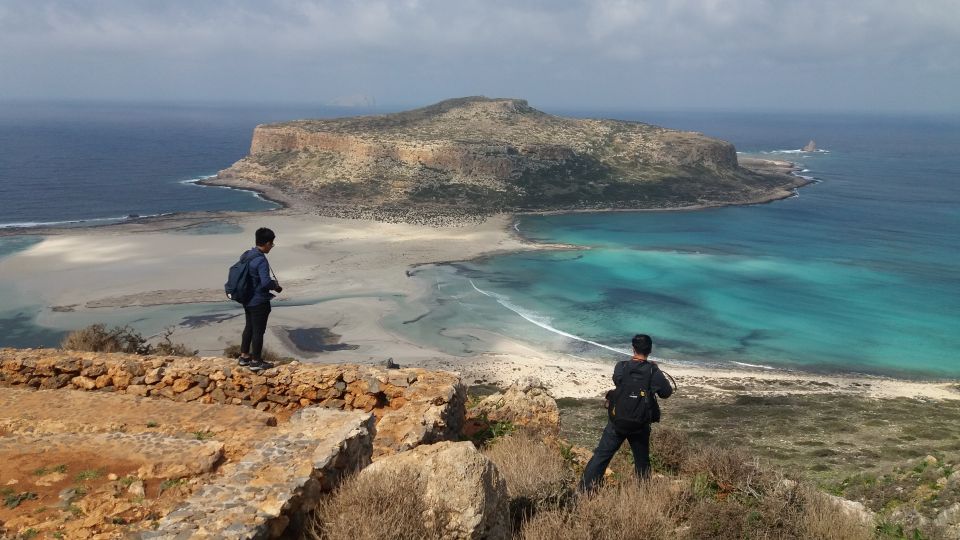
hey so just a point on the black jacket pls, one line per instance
(640, 371)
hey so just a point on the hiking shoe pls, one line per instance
(259, 365)
(244, 361)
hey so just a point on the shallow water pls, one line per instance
(858, 273)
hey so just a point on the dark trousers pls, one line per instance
(253, 330)
(609, 443)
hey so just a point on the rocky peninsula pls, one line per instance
(478, 156)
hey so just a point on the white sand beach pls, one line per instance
(351, 266)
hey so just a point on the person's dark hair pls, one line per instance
(642, 344)
(264, 236)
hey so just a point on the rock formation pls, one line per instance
(525, 404)
(461, 486)
(810, 147)
(485, 155)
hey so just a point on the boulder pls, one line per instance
(461, 487)
(527, 403)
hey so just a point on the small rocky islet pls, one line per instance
(465, 158)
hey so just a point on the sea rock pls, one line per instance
(810, 147)
(527, 403)
(461, 486)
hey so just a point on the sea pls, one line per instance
(858, 272)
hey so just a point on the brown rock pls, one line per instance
(68, 365)
(122, 379)
(191, 394)
(94, 370)
(259, 393)
(137, 389)
(218, 395)
(153, 376)
(276, 398)
(57, 381)
(84, 383)
(104, 380)
(181, 385)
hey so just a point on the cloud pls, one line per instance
(402, 51)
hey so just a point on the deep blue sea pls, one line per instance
(92, 163)
(858, 273)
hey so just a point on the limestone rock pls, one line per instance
(851, 508)
(526, 403)
(460, 486)
(949, 519)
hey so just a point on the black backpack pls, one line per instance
(631, 405)
(239, 286)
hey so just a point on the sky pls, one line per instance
(806, 55)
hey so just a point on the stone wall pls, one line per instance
(412, 406)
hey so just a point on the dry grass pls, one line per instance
(726, 469)
(536, 474)
(669, 449)
(823, 520)
(98, 338)
(636, 509)
(377, 505)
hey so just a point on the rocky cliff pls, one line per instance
(498, 155)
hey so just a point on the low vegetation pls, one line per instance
(537, 475)
(123, 339)
(383, 504)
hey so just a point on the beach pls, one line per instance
(341, 279)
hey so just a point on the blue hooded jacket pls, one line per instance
(262, 283)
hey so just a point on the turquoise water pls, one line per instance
(857, 274)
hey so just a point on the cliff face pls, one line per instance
(497, 154)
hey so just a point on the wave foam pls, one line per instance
(760, 366)
(796, 151)
(194, 182)
(34, 224)
(541, 321)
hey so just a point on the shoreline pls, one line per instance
(361, 271)
(299, 203)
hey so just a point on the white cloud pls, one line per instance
(244, 48)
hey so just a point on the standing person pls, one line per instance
(257, 309)
(632, 408)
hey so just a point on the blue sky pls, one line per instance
(814, 55)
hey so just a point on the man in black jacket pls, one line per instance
(639, 369)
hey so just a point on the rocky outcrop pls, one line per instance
(496, 155)
(461, 487)
(414, 406)
(527, 404)
(278, 483)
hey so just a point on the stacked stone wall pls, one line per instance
(413, 406)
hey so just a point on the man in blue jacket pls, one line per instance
(638, 368)
(257, 310)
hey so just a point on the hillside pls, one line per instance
(487, 155)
